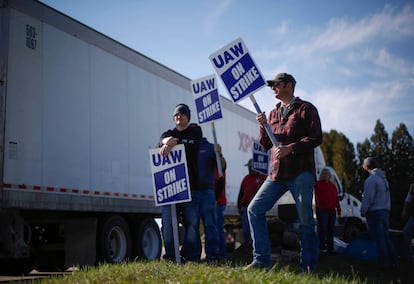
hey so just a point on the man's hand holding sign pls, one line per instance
(168, 144)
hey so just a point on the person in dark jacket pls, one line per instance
(408, 230)
(376, 206)
(190, 135)
(205, 197)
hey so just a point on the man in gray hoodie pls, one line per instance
(376, 205)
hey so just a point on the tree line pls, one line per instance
(395, 156)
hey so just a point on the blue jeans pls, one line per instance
(246, 225)
(326, 223)
(191, 248)
(222, 246)
(408, 232)
(269, 193)
(167, 231)
(205, 201)
(378, 226)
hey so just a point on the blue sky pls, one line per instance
(354, 60)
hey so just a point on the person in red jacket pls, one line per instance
(327, 206)
(248, 188)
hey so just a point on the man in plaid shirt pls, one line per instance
(297, 128)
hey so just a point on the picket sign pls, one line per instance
(208, 106)
(260, 160)
(171, 184)
(240, 75)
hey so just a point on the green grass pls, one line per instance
(333, 269)
(163, 272)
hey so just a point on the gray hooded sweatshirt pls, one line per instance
(376, 194)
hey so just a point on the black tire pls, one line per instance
(147, 242)
(113, 240)
(16, 267)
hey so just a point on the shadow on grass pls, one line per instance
(346, 267)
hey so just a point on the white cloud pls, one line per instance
(213, 17)
(354, 111)
(346, 44)
(281, 29)
(404, 22)
(360, 76)
(394, 63)
(344, 33)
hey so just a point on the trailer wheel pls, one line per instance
(147, 241)
(113, 240)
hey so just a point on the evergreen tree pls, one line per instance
(364, 150)
(395, 157)
(380, 146)
(326, 147)
(339, 153)
(401, 173)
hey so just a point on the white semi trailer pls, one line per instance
(78, 113)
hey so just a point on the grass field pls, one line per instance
(331, 269)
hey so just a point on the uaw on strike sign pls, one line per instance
(237, 70)
(170, 176)
(260, 158)
(207, 99)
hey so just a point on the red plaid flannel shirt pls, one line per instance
(300, 128)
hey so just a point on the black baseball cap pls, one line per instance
(281, 77)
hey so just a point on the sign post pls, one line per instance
(171, 184)
(174, 224)
(219, 167)
(208, 106)
(240, 75)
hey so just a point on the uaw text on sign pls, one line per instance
(170, 176)
(237, 70)
(207, 99)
